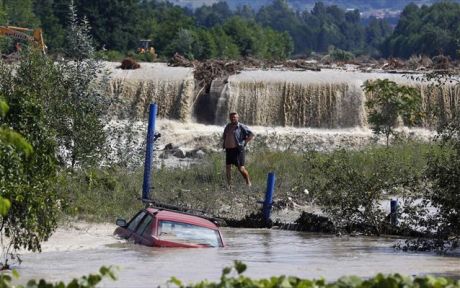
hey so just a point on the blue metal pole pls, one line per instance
(149, 152)
(267, 207)
(393, 212)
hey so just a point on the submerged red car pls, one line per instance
(165, 228)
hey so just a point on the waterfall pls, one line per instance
(292, 104)
(172, 88)
(318, 99)
(325, 99)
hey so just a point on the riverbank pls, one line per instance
(186, 143)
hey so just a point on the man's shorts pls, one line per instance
(234, 156)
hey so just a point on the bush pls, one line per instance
(90, 281)
(380, 280)
(110, 55)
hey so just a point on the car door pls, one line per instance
(143, 232)
(128, 231)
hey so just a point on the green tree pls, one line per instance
(115, 24)
(20, 13)
(26, 180)
(429, 30)
(444, 172)
(53, 31)
(226, 47)
(205, 46)
(387, 101)
(14, 139)
(164, 22)
(79, 105)
(2, 13)
(210, 16)
(375, 34)
(281, 18)
(339, 54)
(443, 175)
(183, 44)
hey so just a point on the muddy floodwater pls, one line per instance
(75, 252)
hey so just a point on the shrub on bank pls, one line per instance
(90, 281)
(233, 277)
(378, 281)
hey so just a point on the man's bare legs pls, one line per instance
(243, 172)
(228, 169)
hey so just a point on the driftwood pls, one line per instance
(206, 71)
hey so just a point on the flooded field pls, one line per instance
(74, 252)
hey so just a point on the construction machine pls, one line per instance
(34, 36)
(145, 47)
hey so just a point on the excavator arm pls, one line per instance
(34, 36)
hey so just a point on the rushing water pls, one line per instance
(322, 99)
(266, 252)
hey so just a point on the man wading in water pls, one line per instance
(236, 137)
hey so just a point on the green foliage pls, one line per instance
(280, 29)
(104, 194)
(444, 172)
(387, 101)
(49, 102)
(309, 30)
(78, 44)
(3, 108)
(350, 186)
(10, 137)
(340, 55)
(2, 14)
(183, 43)
(122, 16)
(100, 194)
(79, 104)
(380, 280)
(20, 13)
(90, 281)
(13, 138)
(235, 38)
(426, 30)
(110, 55)
(71, 92)
(54, 33)
(26, 177)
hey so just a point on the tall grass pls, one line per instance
(102, 194)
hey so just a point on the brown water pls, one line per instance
(326, 99)
(266, 252)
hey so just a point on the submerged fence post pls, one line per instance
(267, 207)
(149, 152)
(394, 212)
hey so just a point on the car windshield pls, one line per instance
(188, 233)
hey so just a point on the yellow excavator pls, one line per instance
(34, 36)
(145, 47)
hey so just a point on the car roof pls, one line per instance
(181, 217)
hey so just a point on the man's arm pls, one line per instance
(223, 137)
(249, 135)
(248, 138)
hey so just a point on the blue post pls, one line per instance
(267, 207)
(393, 212)
(149, 152)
